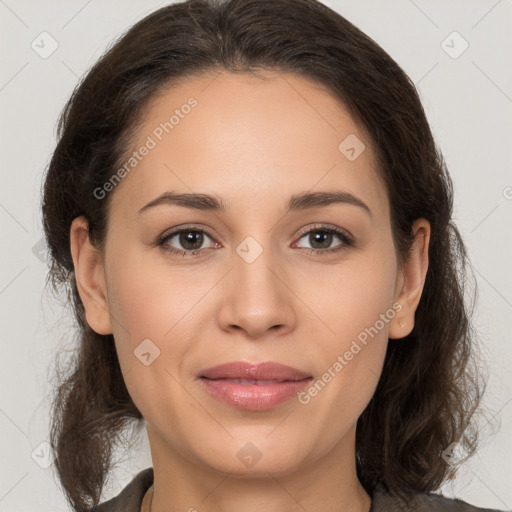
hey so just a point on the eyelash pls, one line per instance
(344, 237)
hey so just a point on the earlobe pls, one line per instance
(411, 281)
(90, 277)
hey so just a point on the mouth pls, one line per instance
(262, 372)
(254, 387)
(256, 382)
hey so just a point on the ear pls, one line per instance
(90, 277)
(410, 281)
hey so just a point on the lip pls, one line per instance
(264, 385)
(263, 371)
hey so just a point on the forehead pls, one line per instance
(247, 137)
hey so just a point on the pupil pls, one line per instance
(188, 238)
(319, 235)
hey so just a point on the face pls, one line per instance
(270, 277)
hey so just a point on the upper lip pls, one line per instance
(263, 371)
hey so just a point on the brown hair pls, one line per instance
(429, 389)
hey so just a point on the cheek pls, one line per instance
(151, 341)
(351, 296)
(146, 303)
(148, 296)
(355, 309)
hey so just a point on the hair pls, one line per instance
(429, 389)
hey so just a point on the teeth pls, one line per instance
(257, 382)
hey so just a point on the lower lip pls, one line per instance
(253, 397)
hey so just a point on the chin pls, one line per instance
(247, 460)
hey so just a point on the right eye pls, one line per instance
(191, 239)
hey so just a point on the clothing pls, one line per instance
(130, 500)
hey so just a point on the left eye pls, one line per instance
(325, 236)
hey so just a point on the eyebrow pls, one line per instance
(297, 202)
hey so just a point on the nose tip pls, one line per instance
(257, 302)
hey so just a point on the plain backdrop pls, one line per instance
(455, 52)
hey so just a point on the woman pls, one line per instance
(194, 160)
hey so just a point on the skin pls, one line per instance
(255, 141)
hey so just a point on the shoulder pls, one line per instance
(130, 498)
(383, 501)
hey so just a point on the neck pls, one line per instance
(329, 484)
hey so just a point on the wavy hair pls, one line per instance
(429, 389)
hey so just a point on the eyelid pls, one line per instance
(326, 227)
(187, 227)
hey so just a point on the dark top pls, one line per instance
(130, 500)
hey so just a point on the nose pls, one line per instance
(256, 299)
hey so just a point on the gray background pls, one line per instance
(468, 100)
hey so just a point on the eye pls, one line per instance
(191, 239)
(323, 237)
